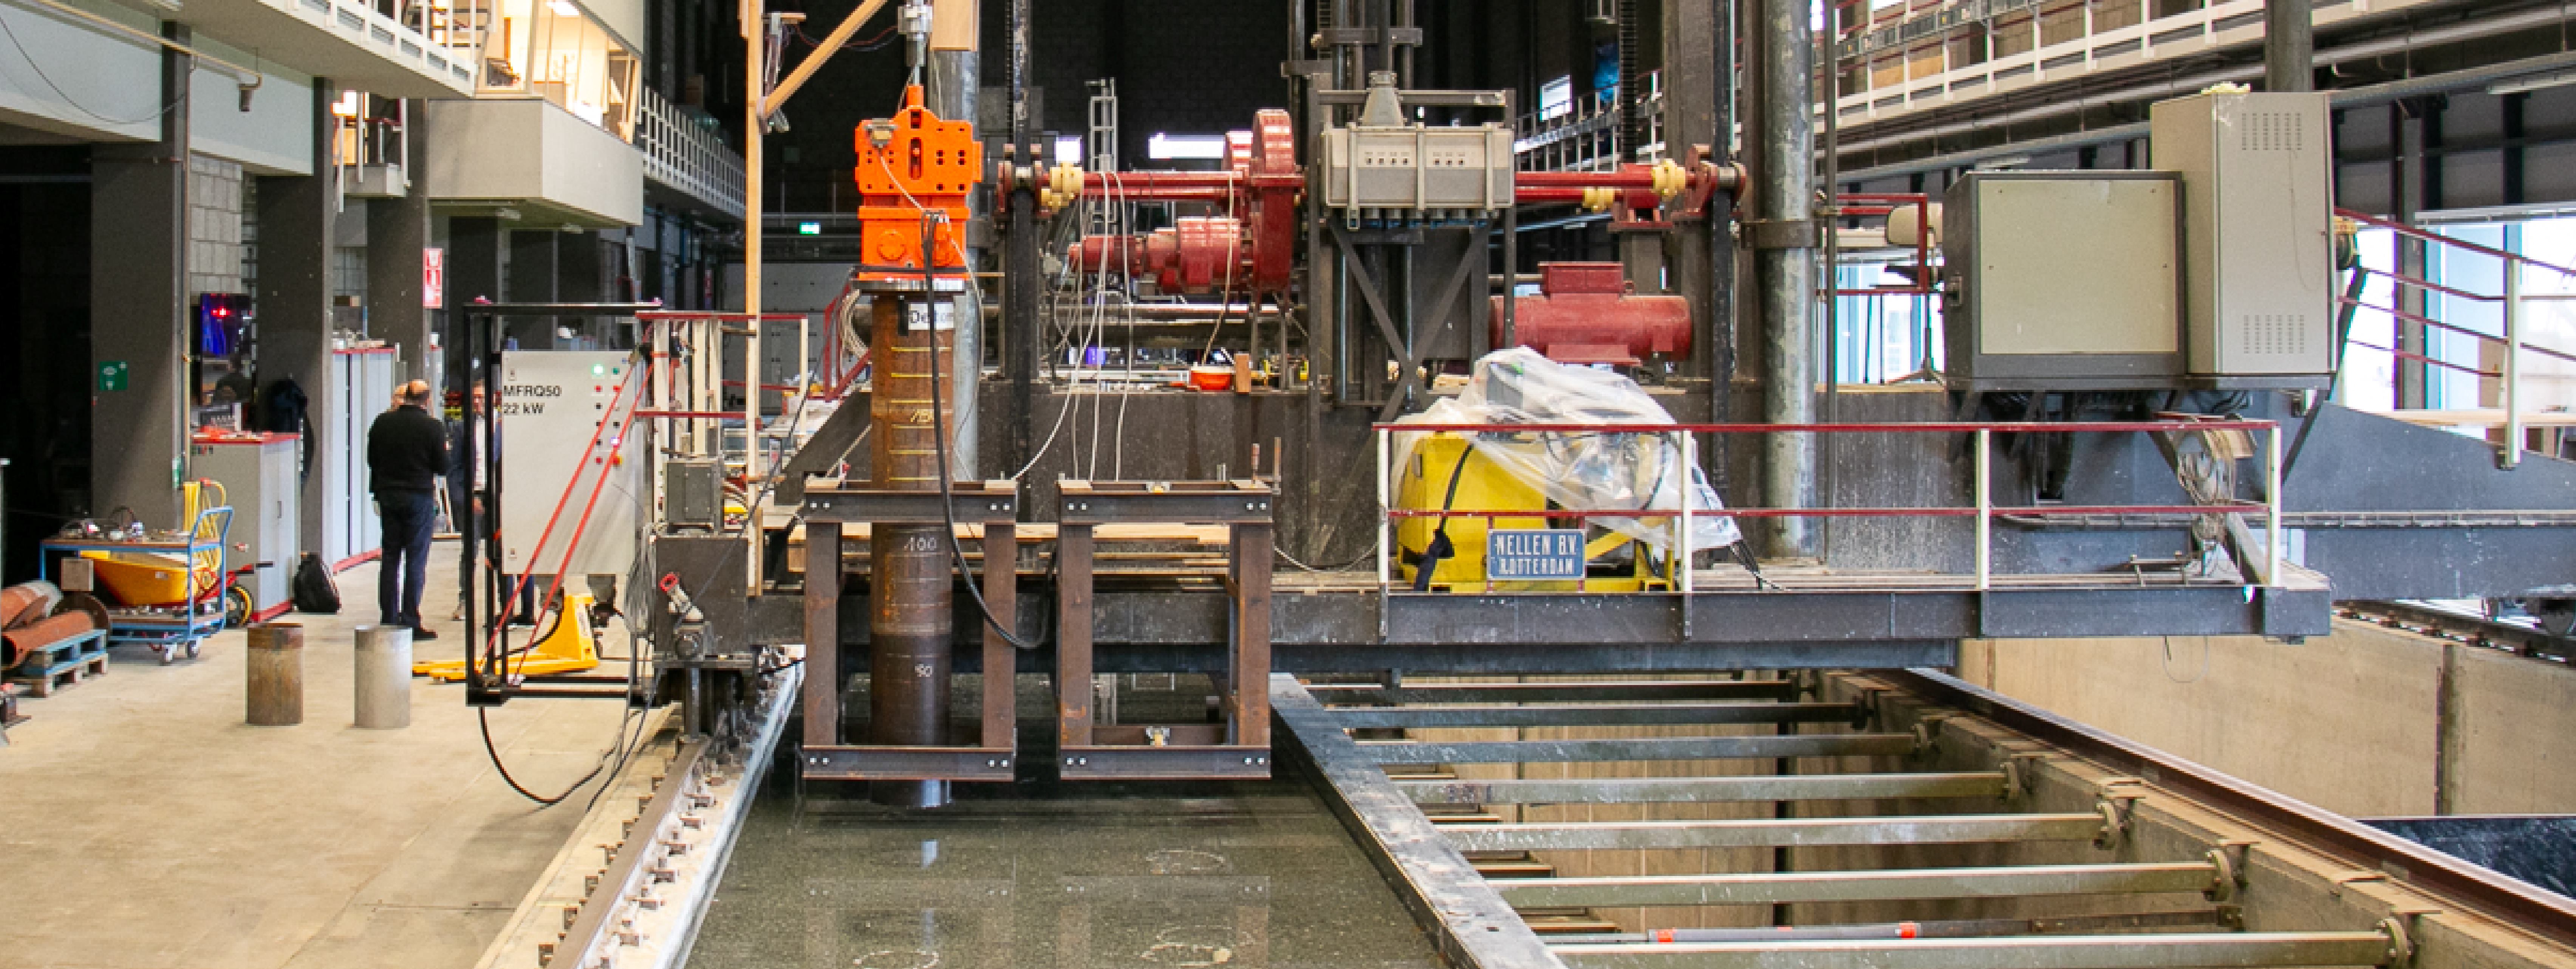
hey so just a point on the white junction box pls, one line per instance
(1417, 168)
(551, 403)
(2257, 245)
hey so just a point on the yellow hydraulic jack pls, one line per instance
(567, 647)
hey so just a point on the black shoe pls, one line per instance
(523, 619)
(419, 633)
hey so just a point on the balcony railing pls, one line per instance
(686, 156)
(1587, 137)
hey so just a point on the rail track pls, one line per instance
(1886, 819)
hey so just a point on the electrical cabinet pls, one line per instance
(551, 402)
(260, 475)
(362, 387)
(2257, 210)
(2063, 280)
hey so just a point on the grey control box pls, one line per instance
(2258, 204)
(692, 493)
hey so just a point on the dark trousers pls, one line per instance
(409, 518)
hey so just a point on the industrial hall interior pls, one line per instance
(1619, 484)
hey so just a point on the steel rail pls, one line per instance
(1674, 748)
(1555, 692)
(2509, 900)
(1708, 790)
(2229, 950)
(1905, 884)
(1847, 427)
(1776, 833)
(1593, 714)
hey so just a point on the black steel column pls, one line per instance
(1020, 270)
(397, 231)
(139, 329)
(2289, 45)
(296, 213)
(531, 278)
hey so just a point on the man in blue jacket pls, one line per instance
(406, 452)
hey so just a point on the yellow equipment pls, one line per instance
(567, 647)
(139, 579)
(1423, 483)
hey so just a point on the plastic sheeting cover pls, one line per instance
(1582, 471)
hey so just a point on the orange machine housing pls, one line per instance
(908, 164)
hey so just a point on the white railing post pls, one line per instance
(1690, 491)
(1383, 525)
(2512, 369)
(1985, 511)
(2272, 507)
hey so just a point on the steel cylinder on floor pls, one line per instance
(384, 677)
(276, 668)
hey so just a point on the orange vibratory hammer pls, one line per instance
(909, 164)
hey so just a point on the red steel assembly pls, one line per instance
(1587, 313)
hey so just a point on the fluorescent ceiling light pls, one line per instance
(2532, 82)
(2007, 161)
(563, 8)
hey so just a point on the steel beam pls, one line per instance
(1678, 748)
(2171, 951)
(887, 763)
(1598, 714)
(1775, 833)
(1673, 790)
(1143, 763)
(1782, 690)
(1471, 925)
(1771, 888)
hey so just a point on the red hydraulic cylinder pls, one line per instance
(1585, 313)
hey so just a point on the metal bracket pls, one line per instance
(970, 501)
(2115, 822)
(1780, 234)
(2224, 882)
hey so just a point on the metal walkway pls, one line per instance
(1898, 820)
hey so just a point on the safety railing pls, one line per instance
(686, 156)
(1586, 138)
(1884, 206)
(2510, 340)
(1983, 510)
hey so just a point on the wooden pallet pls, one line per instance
(62, 664)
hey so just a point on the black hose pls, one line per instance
(939, 446)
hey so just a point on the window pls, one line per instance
(1163, 147)
(1556, 98)
(553, 50)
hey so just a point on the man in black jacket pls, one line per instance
(406, 452)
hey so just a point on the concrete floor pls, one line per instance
(142, 824)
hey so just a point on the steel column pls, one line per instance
(1784, 264)
(822, 633)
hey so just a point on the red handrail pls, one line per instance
(1902, 427)
(2416, 233)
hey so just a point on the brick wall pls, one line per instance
(215, 243)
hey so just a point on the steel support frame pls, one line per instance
(1902, 884)
(1244, 506)
(2154, 951)
(1777, 832)
(1709, 790)
(995, 505)
(1466, 919)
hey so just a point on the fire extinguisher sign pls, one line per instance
(433, 279)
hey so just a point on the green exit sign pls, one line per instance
(809, 228)
(111, 375)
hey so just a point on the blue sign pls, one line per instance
(1534, 553)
